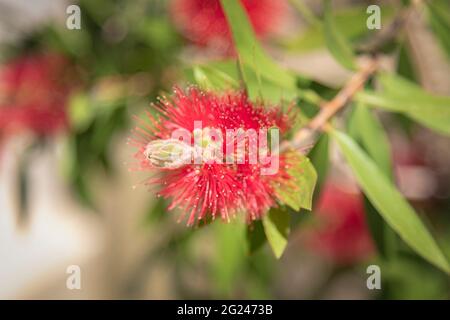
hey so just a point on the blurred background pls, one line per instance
(68, 196)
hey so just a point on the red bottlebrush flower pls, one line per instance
(342, 234)
(33, 94)
(204, 21)
(211, 188)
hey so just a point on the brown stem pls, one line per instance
(329, 109)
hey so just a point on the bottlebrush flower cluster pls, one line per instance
(33, 94)
(212, 188)
(204, 21)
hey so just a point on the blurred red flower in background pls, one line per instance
(33, 94)
(210, 189)
(341, 235)
(204, 21)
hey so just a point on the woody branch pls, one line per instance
(330, 108)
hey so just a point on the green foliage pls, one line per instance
(401, 95)
(439, 19)
(389, 202)
(298, 192)
(23, 181)
(406, 284)
(150, 45)
(306, 13)
(365, 127)
(405, 67)
(277, 227)
(231, 255)
(319, 156)
(350, 21)
(256, 237)
(80, 112)
(335, 41)
(212, 78)
(226, 74)
(256, 67)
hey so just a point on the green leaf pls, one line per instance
(401, 95)
(305, 11)
(83, 192)
(276, 226)
(396, 85)
(384, 236)
(350, 21)
(440, 23)
(201, 78)
(406, 285)
(426, 117)
(250, 52)
(365, 127)
(221, 75)
(319, 158)
(298, 191)
(405, 66)
(256, 237)
(212, 78)
(390, 203)
(335, 41)
(23, 186)
(80, 112)
(230, 255)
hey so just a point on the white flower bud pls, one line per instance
(169, 153)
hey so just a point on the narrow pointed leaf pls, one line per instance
(365, 127)
(339, 47)
(401, 95)
(390, 203)
(251, 54)
(319, 158)
(367, 130)
(276, 227)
